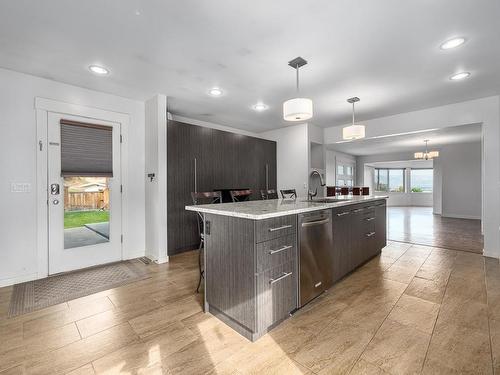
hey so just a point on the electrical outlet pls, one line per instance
(20, 187)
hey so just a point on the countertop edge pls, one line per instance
(319, 206)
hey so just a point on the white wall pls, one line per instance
(461, 180)
(18, 145)
(156, 189)
(292, 157)
(485, 111)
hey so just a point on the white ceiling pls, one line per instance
(411, 142)
(386, 52)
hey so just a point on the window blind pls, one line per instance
(86, 149)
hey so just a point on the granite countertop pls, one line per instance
(265, 209)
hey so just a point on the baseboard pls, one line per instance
(453, 216)
(133, 255)
(162, 260)
(18, 279)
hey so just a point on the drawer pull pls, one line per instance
(285, 274)
(370, 218)
(279, 228)
(286, 247)
(358, 210)
(370, 234)
(343, 213)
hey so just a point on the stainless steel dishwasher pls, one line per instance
(316, 254)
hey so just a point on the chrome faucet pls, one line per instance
(322, 183)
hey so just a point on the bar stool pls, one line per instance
(288, 193)
(240, 195)
(344, 190)
(331, 191)
(356, 190)
(365, 190)
(203, 198)
(268, 194)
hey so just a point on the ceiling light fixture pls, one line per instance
(100, 70)
(453, 43)
(215, 91)
(459, 76)
(355, 131)
(260, 107)
(297, 109)
(426, 155)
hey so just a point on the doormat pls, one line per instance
(38, 294)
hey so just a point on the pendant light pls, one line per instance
(355, 131)
(427, 155)
(297, 109)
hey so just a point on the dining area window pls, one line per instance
(389, 180)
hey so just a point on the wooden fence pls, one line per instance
(86, 201)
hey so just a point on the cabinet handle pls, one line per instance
(370, 219)
(286, 247)
(370, 234)
(285, 274)
(343, 213)
(358, 210)
(279, 228)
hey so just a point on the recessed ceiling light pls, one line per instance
(459, 76)
(260, 107)
(215, 91)
(98, 70)
(453, 43)
(137, 12)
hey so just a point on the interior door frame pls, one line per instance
(42, 107)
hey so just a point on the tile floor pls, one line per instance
(411, 310)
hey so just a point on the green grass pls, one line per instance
(75, 219)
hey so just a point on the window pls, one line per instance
(345, 174)
(389, 180)
(421, 180)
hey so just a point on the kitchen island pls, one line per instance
(265, 259)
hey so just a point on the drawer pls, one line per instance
(273, 253)
(275, 227)
(277, 294)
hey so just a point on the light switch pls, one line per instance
(20, 187)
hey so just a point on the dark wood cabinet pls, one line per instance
(341, 220)
(359, 234)
(219, 160)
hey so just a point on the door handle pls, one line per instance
(279, 228)
(318, 222)
(285, 274)
(286, 247)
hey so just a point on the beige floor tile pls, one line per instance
(459, 350)
(363, 367)
(463, 312)
(400, 274)
(495, 342)
(79, 353)
(156, 320)
(416, 313)
(60, 318)
(145, 355)
(397, 348)
(466, 289)
(36, 345)
(428, 290)
(335, 349)
(205, 353)
(18, 370)
(84, 370)
(434, 273)
(110, 318)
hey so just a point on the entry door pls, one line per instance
(84, 192)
